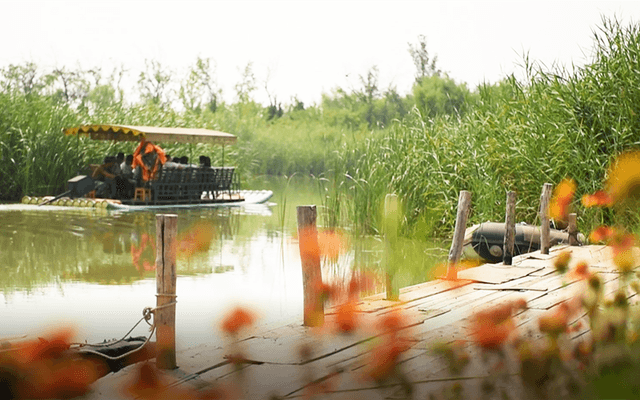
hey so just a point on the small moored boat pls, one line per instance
(486, 240)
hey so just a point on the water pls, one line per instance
(94, 270)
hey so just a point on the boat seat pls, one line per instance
(142, 194)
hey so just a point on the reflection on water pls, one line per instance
(42, 247)
(95, 269)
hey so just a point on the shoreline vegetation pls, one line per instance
(360, 144)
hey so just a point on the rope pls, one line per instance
(146, 316)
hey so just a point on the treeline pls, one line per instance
(514, 136)
(35, 105)
(367, 141)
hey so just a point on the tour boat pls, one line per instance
(181, 186)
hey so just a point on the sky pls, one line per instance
(304, 48)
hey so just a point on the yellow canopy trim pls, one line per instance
(152, 134)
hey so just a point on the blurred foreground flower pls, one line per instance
(237, 319)
(601, 234)
(196, 239)
(493, 327)
(43, 369)
(556, 320)
(623, 178)
(561, 200)
(621, 244)
(598, 199)
(561, 263)
(347, 318)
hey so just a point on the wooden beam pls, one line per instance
(510, 229)
(311, 273)
(464, 204)
(165, 314)
(573, 229)
(545, 229)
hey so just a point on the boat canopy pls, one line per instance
(152, 134)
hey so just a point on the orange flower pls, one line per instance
(331, 244)
(148, 383)
(556, 321)
(624, 177)
(601, 234)
(237, 319)
(622, 243)
(562, 261)
(580, 271)
(598, 199)
(308, 242)
(561, 200)
(383, 359)
(492, 327)
(489, 335)
(44, 369)
(347, 317)
(392, 322)
(196, 239)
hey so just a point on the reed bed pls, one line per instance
(513, 135)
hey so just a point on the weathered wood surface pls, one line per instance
(440, 311)
(545, 199)
(464, 205)
(510, 229)
(166, 276)
(313, 311)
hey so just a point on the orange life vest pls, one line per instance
(149, 157)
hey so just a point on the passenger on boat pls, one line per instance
(125, 167)
(150, 158)
(205, 162)
(119, 161)
(105, 175)
(171, 164)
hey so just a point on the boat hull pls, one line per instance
(486, 240)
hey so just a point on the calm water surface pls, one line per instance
(94, 270)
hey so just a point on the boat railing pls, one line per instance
(189, 184)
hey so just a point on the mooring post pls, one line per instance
(573, 229)
(165, 314)
(391, 223)
(311, 273)
(509, 229)
(545, 229)
(464, 203)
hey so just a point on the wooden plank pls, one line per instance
(491, 273)
(426, 289)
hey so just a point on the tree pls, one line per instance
(425, 65)
(153, 82)
(21, 78)
(247, 84)
(200, 88)
(439, 95)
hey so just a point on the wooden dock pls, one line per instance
(438, 311)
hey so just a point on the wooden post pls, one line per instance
(311, 272)
(509, 229)
(391, 223)
(545, 230)
(464, 203)
(573, 229)
(165, 315)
